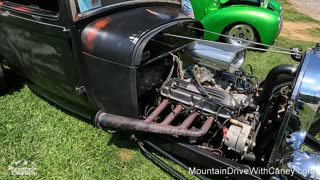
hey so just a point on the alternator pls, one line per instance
(237, 137)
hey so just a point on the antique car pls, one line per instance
(142, 66)
(254, 20)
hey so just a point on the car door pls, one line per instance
(37, 37)
(4, 49)
(3, 43)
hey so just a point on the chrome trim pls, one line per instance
(302, 164)
(296, 139)
(280, 24)
(217, 56)
(306, 92)
(305, 165)
(305, 103)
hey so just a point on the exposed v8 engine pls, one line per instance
(211, 87)
(204, 97)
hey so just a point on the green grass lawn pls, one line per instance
(64, 146)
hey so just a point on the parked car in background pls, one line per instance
(254, 20)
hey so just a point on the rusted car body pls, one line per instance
(64, 53)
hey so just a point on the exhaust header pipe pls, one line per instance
(104, 120)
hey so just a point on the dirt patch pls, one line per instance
(126, 155)
(308, 7)
(299, 31)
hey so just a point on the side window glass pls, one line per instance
(86, 5)
(50, 7)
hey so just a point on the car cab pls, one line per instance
(79, 53)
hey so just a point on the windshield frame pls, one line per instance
(77, 16)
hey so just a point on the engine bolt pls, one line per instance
(251, 116)
(174, 84)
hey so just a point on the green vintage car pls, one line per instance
(254, 20)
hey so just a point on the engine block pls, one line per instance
(187, 93)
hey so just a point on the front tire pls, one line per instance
(241, 31)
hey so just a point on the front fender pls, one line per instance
(113, 48)
(266, 22)
(114, 37)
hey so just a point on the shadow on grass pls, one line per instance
(66, 111)
(14, 82)
(122, 139)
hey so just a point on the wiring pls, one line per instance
(202, 90)
(251, 69)
(148, 112)
(177, 60)
(180, 65)
(169, 75)
(188, 109)
(145, 110)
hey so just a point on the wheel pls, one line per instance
(283, 85)
(282, 82)
(241, 31)
(269, 111)
(3, 83)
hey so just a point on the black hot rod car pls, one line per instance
(141, 65)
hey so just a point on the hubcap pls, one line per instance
(241, 31)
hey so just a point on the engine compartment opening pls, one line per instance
(206, 99)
